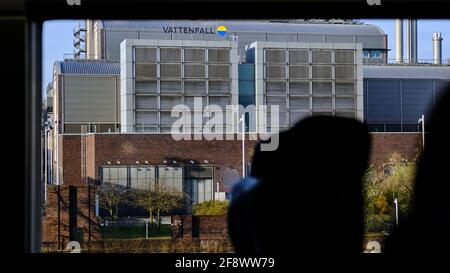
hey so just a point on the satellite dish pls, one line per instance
(373, 247)
(230, 177)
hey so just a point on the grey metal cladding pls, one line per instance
(113, 40)
(417, 97)
(372, 42)
(90, 99)
(383, 101)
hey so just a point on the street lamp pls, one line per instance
(422, 120)
(242, 120)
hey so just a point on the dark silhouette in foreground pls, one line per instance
(426, 230)
(308, 194)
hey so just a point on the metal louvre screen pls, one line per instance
(345, 72)
(189, 101)
(194, 70)
(299, 72)
(170, 54)
(168, 102)
(299, 88)
(294, 117)
(321, 72)
(146, 102)
(275, 88)
(345, 114)
(146, 87)
(322, 88)
(219, 87)
(280, 101)
(299, 103)
(145, 70)
(321, 57)
(216, 55)
(320, 103)
(222, 101)
(275, 56)
(170, 87)
(167, 119)
(195, 87)
(146, 118)
(345, 89)
(344, 56)
(145, 55)
(275, 72)
(345, 104)
(219, 71)
(298, 56)
(170, 71)
(194, 55)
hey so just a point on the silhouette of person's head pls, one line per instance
(426, 228)
(310, 192)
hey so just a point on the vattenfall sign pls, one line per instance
(221, 31)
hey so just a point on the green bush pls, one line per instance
(211, 208)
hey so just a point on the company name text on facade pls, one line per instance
(189, 30)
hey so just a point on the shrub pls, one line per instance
(210, 208)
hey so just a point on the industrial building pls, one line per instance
(112, 102)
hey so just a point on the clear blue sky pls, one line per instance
(57, 40)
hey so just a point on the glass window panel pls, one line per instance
(194, 70)
(345, 103)
(299, 88)
(298, 56)
(295, 117)
(145, 87)
(275, 56)
(195, 87)
(189, 101)
(275, 88)
(146, 102)
(345, 114)
(145, 70)
(344, 56)
(275, 72)
(299, 72)
(216, 55)
(280, 101)
(345, 88)
(170, 54)
(299, 103)
(170, 71)
(146, 118)
(321, 72)
(322, 88)
(320, 103)
(194, 55)
(222, 101)
(219, 87)
(219, 71)
(345, 72)
(168, 102)
(170, 87)
(321, 57)
(145, 54)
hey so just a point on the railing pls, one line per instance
(394, 62)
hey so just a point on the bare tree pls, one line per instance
(157, 199)
(111, 196)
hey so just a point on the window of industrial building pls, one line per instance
(275, 87)
(344, 56)
(194, 70)
(146, 102)
(321, 71)
(142, 177)
(199, 184)
(281, 118)
(275, 56)
(169, 55)
(275, 71)
(144, 118)
(219, 87)
(146, 87)
(298, 56)
(345, 72)
(171, 177)
(296, 116)
(145, 54)
(167, 119)
(219, 71)
(168, 102)
(194, 87)
(322, 88)
(115, 175)
(301, 103)
(345, 88)
(194, 55)
(72, 128)
(170, 71)
(299, 72)
(299, 88)
(142, 70)
(277, 100)
(345, 103)
(321, 103)
(321, 57)
(170, 87)
(327, 114)
(218, 55)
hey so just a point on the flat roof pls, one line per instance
(406, 72)
(251, 26)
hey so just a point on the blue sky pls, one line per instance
(57, 40)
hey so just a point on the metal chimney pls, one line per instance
(437, 48)
(411, 41)
(399, 40)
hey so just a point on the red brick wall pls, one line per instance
(129, 148)
(202, 227)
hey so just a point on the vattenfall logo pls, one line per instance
(221, 31)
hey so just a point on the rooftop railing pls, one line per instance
(395, 62)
